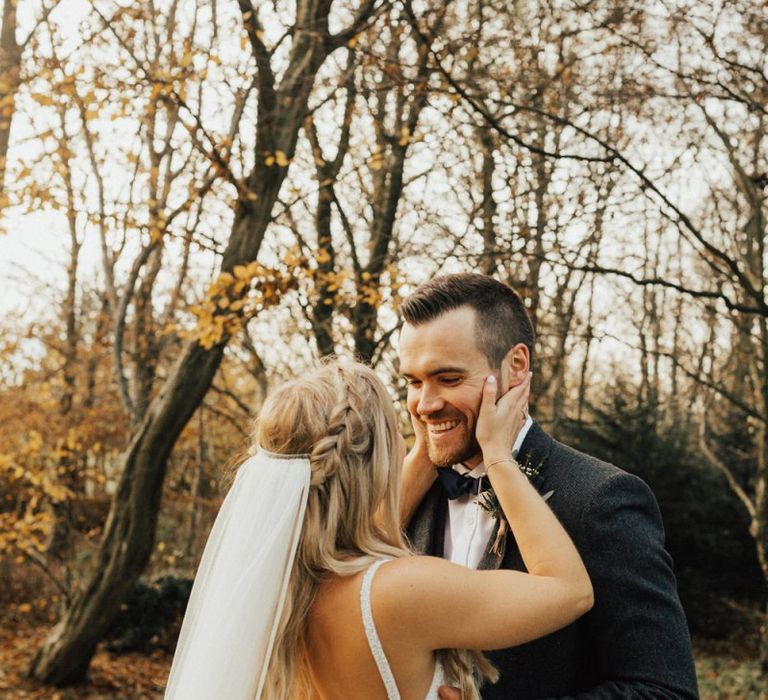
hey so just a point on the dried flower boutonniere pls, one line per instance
(489, 502)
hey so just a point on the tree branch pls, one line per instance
(358, 24)
(715, 461)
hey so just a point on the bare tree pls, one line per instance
(129, 532)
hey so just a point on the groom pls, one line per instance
(634, 643)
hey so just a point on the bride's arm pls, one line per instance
(545, 546)
(446, 605)
(417, 477)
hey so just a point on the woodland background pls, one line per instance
(201, 197)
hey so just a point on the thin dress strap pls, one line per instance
(373, 638)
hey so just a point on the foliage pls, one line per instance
(706, 526)
(234, 298)
(151, 616)
(725, 678)
(214, 177)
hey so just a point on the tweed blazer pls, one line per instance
(634, 643)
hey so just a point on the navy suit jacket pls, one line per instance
(634, 643)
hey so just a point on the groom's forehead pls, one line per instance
(458, 325)
(454, 352)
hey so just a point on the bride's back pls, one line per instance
(340, 657)
(341, 417)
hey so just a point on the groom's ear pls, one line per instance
(515, 366)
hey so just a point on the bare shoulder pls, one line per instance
(420, 588)
(408, 579)
(418, 573)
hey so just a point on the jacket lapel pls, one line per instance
(534, 452)
(426, 531)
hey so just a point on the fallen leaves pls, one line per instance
(112, 676)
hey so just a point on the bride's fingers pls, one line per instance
(517, 397)
(488, 397)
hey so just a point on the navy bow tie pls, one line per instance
(456, 484)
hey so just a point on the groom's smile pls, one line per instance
(440, 428)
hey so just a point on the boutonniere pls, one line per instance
(489, 502)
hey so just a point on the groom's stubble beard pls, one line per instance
(468, 448)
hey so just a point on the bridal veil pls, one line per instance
(231, 620)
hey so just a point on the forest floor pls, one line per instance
(112, 676)
(725, 671)
(729, 670)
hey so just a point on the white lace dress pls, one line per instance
(377, 650)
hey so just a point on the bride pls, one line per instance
(307, 589)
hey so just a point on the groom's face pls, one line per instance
(445, 371)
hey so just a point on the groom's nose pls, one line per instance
(430, 401)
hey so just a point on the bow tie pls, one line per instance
(455, 484)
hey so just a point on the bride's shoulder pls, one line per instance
(407, 584)
(410, 597)
(415, 565)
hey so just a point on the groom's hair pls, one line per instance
(501, 317)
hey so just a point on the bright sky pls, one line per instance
(34, 249)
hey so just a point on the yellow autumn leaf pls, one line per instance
(281, 159)
(186, 59)
(323, 256)
(405, 136)
(376, 161)
(42, 98)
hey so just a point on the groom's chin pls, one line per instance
(447, 458)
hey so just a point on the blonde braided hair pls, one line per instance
(342, 417)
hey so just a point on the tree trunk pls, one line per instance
(10, 67)
(197, 479)
(490, 260)
(388, 189)
(130, 529)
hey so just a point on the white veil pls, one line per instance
(231, 620)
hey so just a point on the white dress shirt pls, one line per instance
(469, 527)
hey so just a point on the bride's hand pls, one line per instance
(418, 473)
(499, 422)
(419, 449)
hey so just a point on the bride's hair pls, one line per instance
(343, 418)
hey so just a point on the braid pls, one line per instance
(347, 435)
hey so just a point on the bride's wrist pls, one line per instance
(496, 455)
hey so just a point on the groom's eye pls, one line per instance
(450, 380)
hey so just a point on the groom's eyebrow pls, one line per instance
(440, 370)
